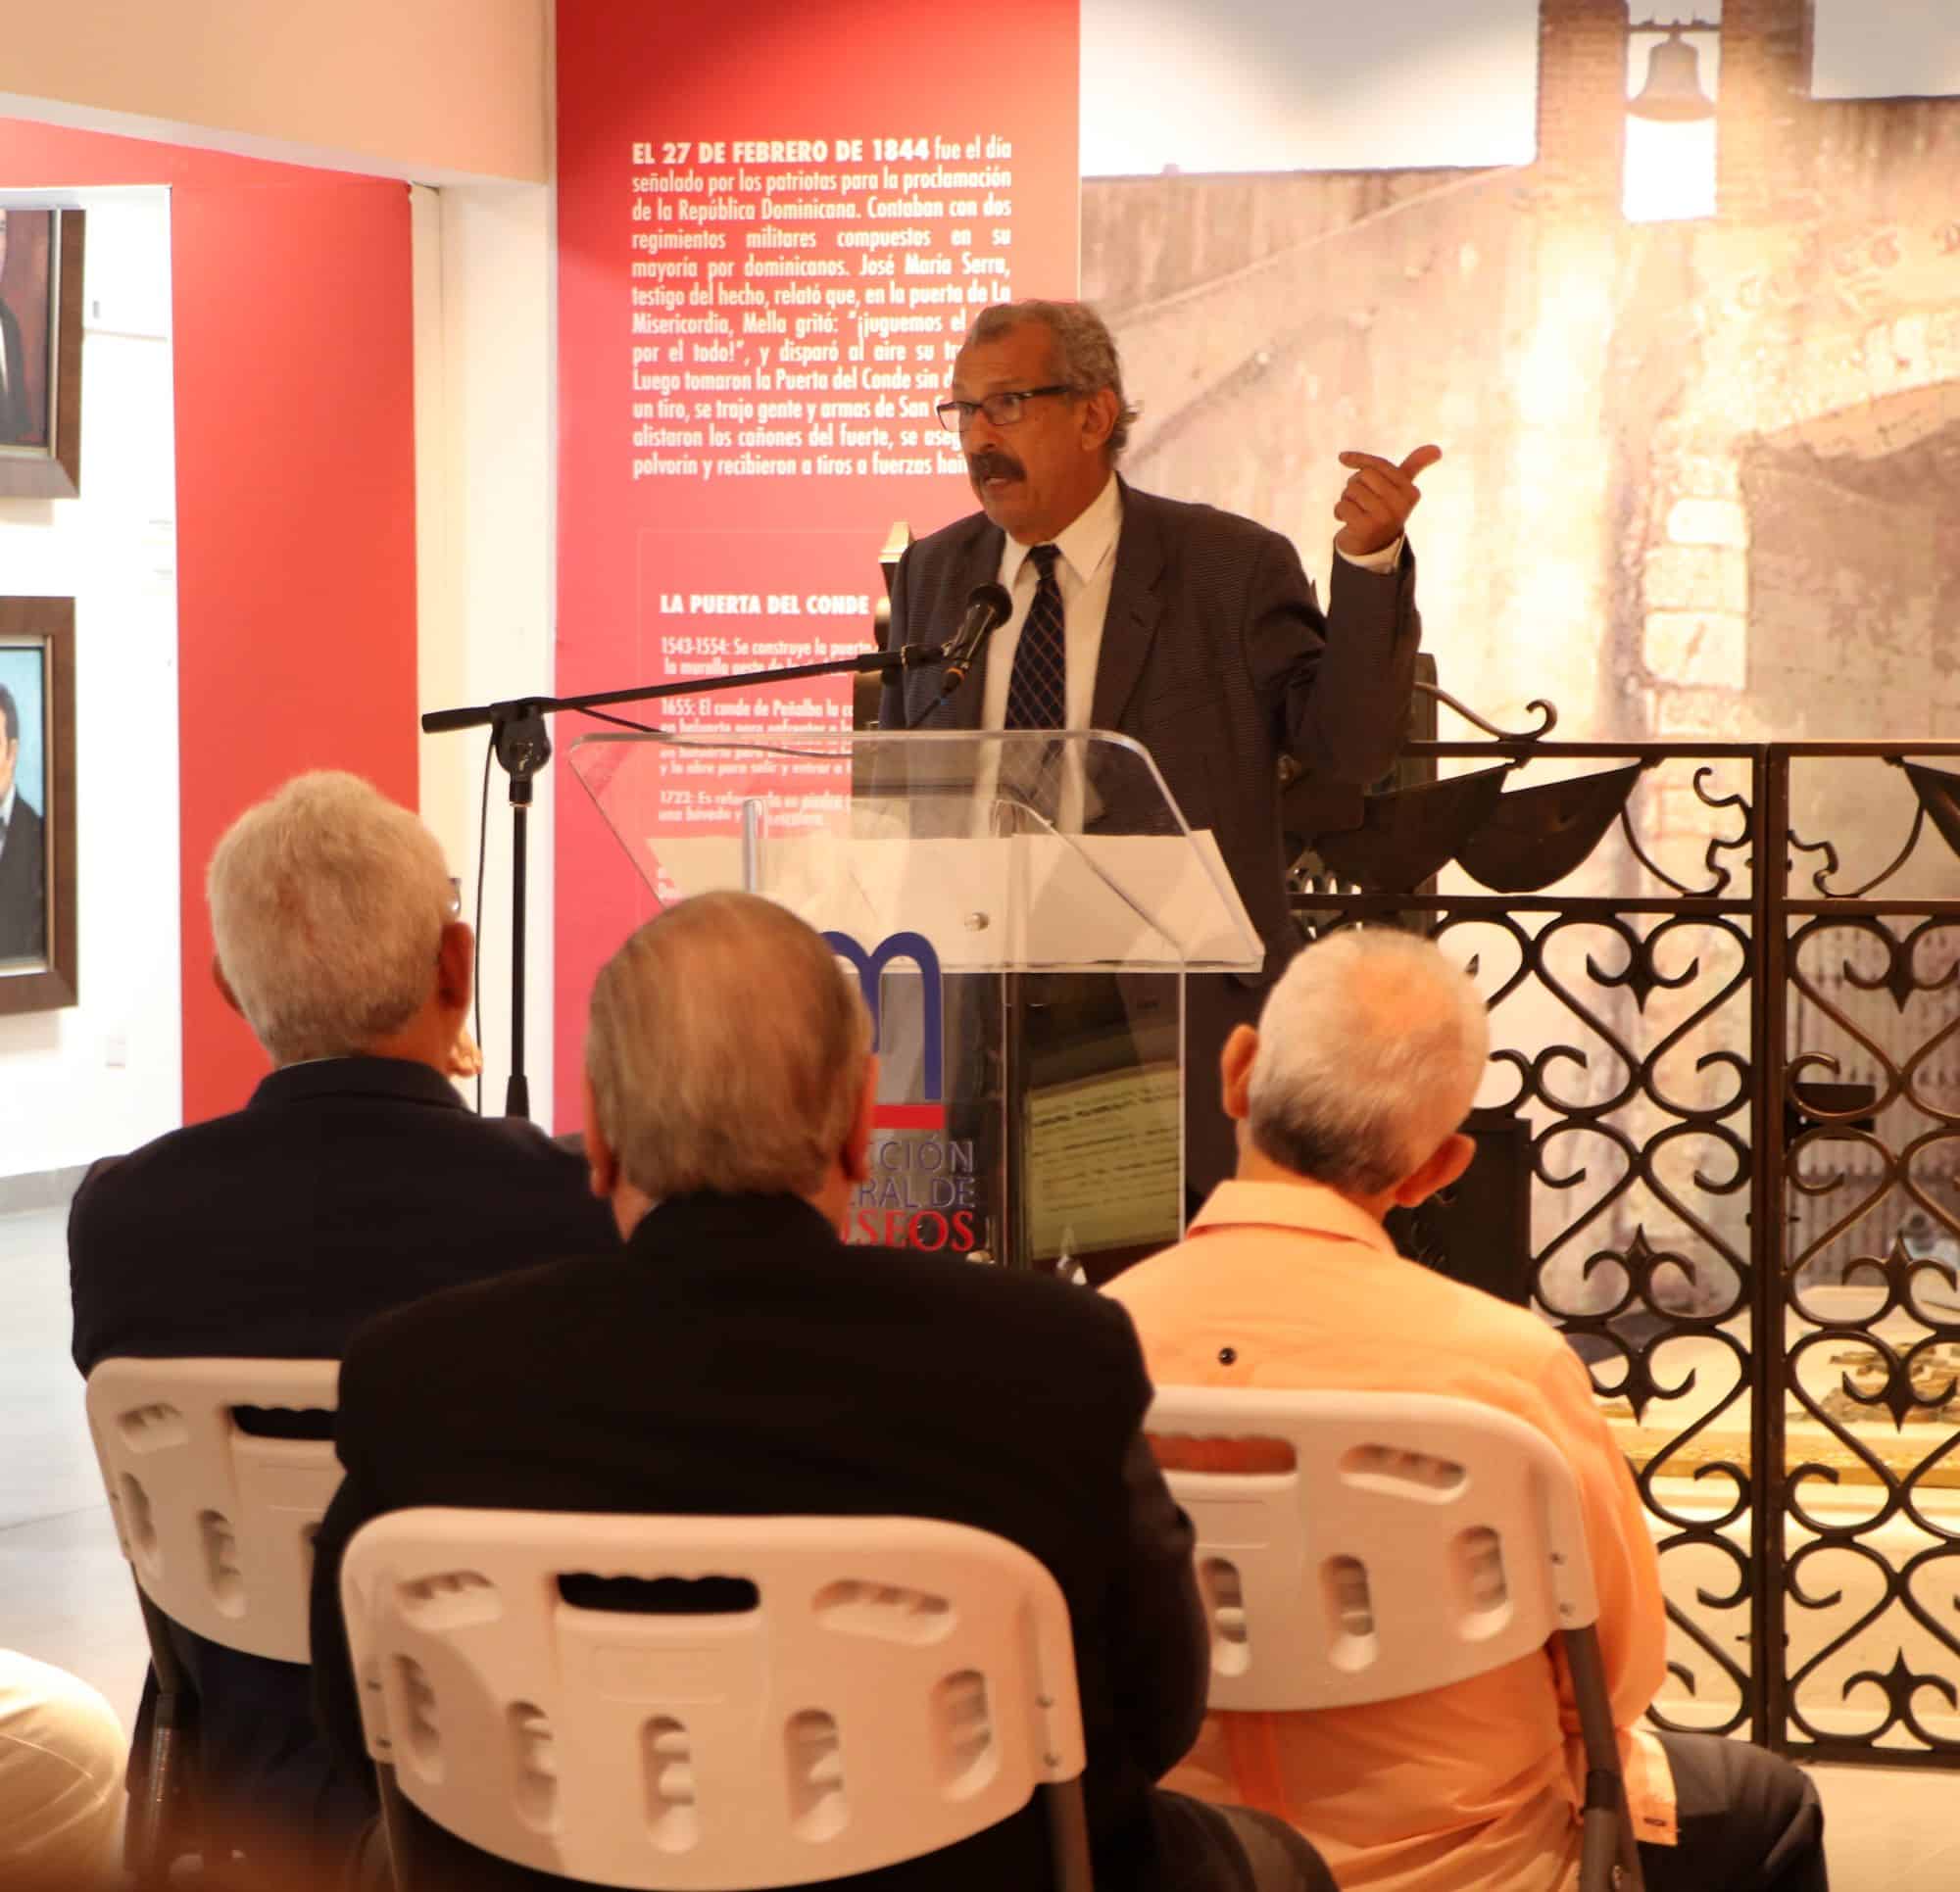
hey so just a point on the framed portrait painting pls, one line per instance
(38, 864)
(40, 352)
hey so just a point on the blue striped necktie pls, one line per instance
(1038, 689)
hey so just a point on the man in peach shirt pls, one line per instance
(1347, 1100)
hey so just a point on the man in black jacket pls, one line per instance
(736, 1357)
(24, 904)
(353, 1181)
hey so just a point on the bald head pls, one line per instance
(1370, 1051)
(727, 1051)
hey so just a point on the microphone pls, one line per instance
(988, 608)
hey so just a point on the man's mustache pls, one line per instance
(994, 466)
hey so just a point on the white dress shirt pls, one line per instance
(7, 812)
(1088, 562)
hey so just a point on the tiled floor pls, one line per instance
(65, 1592)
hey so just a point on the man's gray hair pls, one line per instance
(1371, 1048)
(726, 1048)
(1085, 352)
(327, 904)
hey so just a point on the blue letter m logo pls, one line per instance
(870, 966)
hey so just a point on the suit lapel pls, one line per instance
(978, 563)
(1134, 605)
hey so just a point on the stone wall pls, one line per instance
(1613, 399)
(1699, 477)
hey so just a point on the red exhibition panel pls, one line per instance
(774, 225)
(295, 529)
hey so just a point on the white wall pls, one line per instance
(423, 89)
(1287, 85)
(484, 454)
(107, 1074)
(486, 446)
(1884, 49)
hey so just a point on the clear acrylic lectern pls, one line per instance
(1021, 910)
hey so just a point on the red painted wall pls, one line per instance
(295, 456)
(296, 529)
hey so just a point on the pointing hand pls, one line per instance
(1376, 503)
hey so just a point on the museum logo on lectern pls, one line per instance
(921, 1193)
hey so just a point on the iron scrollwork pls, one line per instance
(1741, 1087)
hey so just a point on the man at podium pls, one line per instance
(1192, 630)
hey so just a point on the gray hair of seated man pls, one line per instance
(1371, 1048)
(328, 903)
(726, 1048)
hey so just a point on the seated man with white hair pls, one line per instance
(736, 1357)
(1348, 1100)
(354, 1180)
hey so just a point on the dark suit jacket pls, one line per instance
(344, 1187)
(23, 901)
(737, 1358)
(1216, 656)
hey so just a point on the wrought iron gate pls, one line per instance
(1726, 1065)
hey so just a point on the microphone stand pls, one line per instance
(524, 746)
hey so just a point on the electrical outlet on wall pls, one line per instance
(115, 1049)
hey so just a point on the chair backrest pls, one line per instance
(867, 1689)
(1415, 1542)
(217, 1523)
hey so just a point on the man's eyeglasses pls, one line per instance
(1001, 410)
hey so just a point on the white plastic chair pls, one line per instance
(217, 1525)
(888, 1687)
(1416, 1541)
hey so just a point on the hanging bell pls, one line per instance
(1673, 93)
